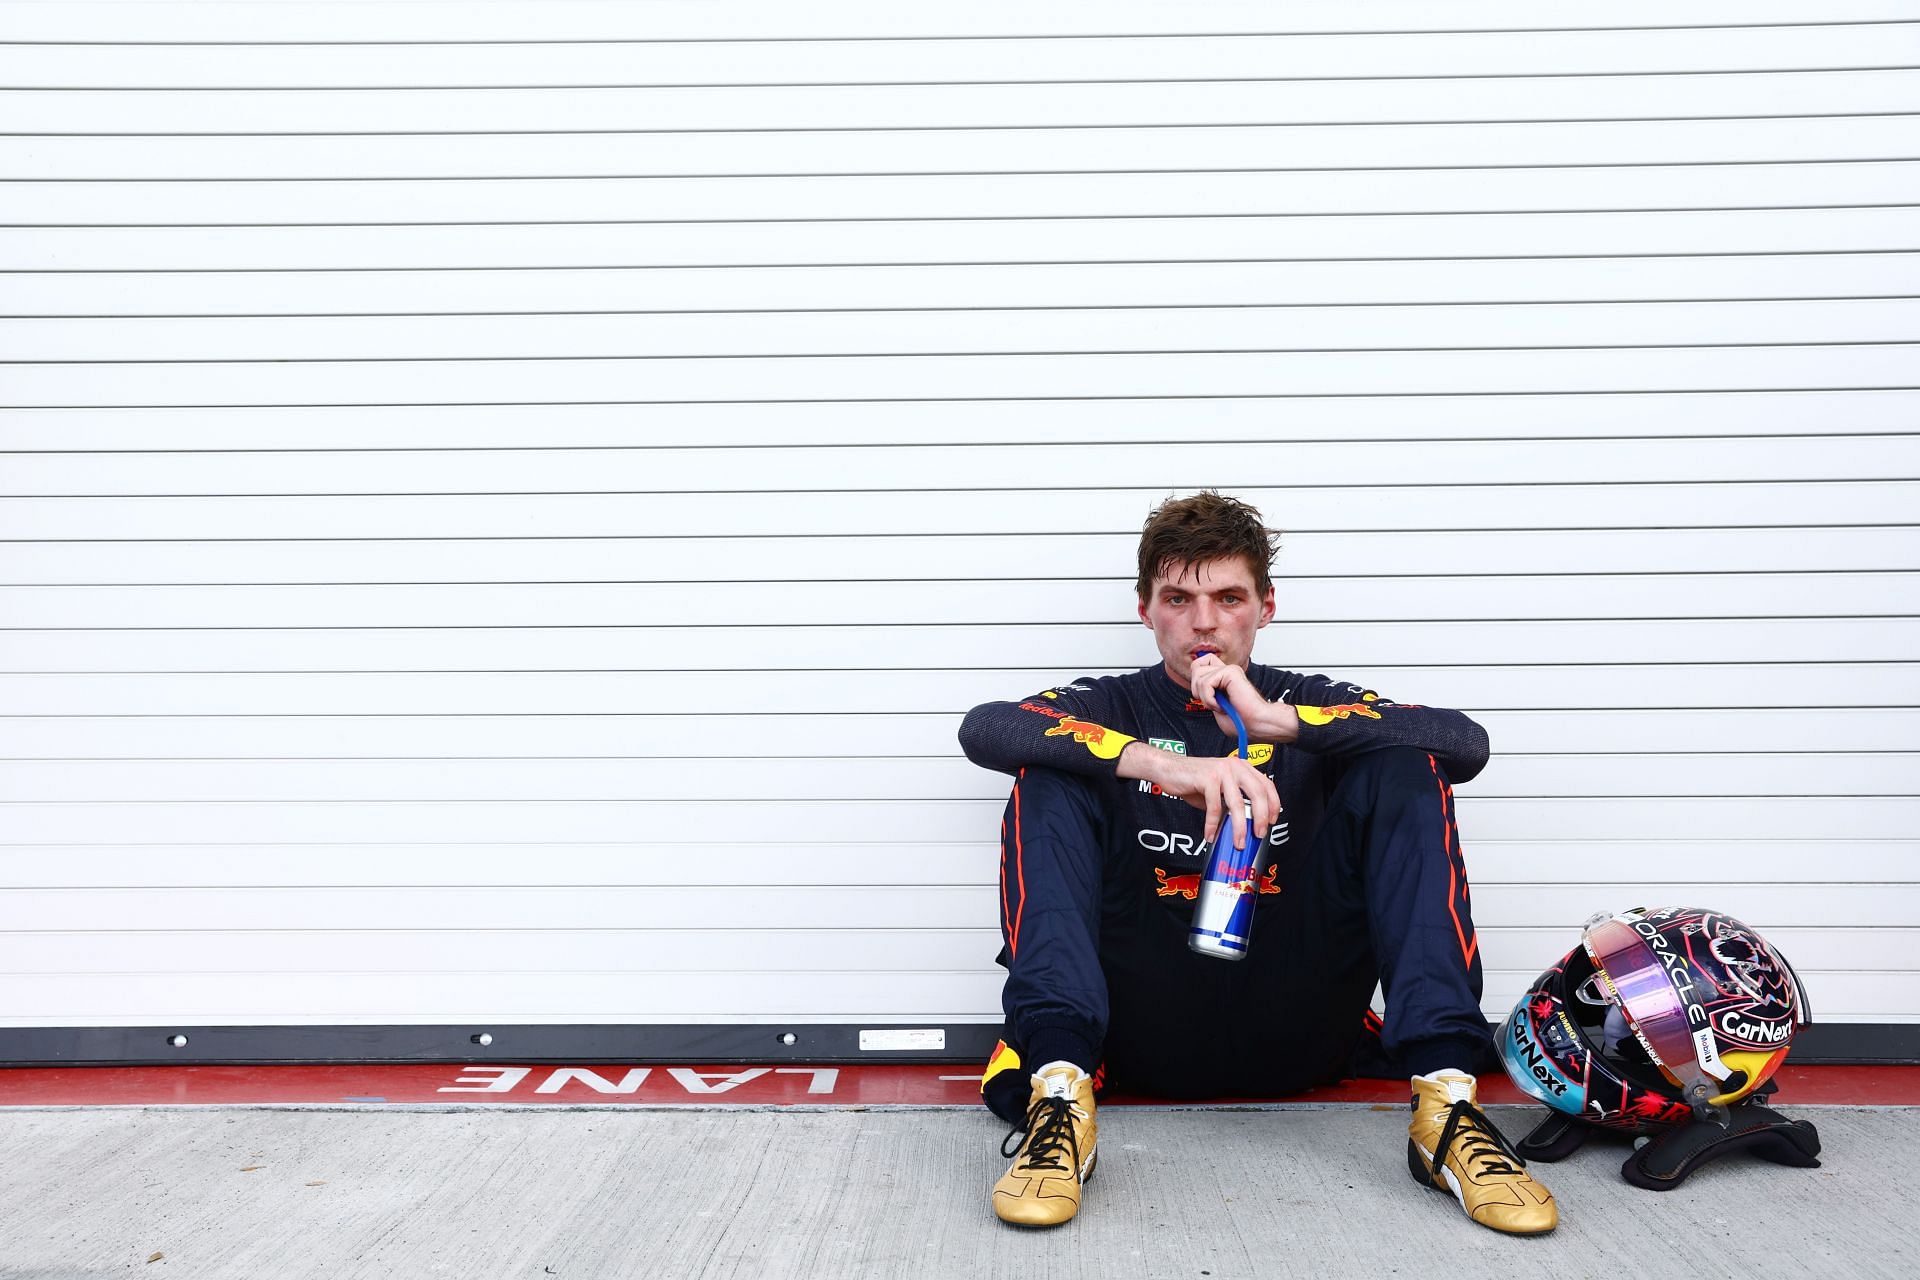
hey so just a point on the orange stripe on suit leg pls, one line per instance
(1460, 860)
(1007, 916)
(1457, 860)
(1019, 865)
(1467, 946)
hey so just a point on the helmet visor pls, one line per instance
(1635, 975)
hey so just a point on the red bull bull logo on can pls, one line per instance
(1188, 886)
(1229, 885)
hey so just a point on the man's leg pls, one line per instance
(1397, 807)
(1055, 996)
(1393, 811)
(1373, 898)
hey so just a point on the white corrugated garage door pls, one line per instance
(504, 504)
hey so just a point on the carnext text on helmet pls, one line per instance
(1535, 1059)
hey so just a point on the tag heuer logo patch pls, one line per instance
(1174, 745)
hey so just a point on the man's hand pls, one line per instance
(1275, 722)
(1220, 785)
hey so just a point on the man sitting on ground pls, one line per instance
(1100, 861)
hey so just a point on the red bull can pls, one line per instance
(1223, 915)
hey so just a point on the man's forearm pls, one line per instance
(1009, 736)
(1459, 744)
(1225, 787)
(1275, 722)
(1148, 764)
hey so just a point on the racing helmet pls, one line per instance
(1658, 1015)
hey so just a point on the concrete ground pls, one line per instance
(253, 1192)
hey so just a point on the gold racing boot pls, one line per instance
(1452, 1146)
(1042, 1189)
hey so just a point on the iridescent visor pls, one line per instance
(1641, 982)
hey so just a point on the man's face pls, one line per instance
(1210, 606)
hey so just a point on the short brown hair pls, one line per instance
(1182, 532)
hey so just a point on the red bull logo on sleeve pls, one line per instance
(1101, 741)
(1327, 715)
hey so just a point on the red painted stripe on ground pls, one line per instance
(720, 1085)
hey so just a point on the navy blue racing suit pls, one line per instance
(1099, 874)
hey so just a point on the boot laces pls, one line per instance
(1483, 1148)
(1049, 1136)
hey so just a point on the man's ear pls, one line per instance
(1266, 606)
(1148, 621)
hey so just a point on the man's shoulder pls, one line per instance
(1272, 681)
(1086, 693)
(1115, 683)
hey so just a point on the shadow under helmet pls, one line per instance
(1659, 1014)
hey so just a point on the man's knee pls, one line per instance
(1394, 772)
(1055, 802)
(1044, 785)
(1051, 847)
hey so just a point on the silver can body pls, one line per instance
(1222, 921)
(1223, 912)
